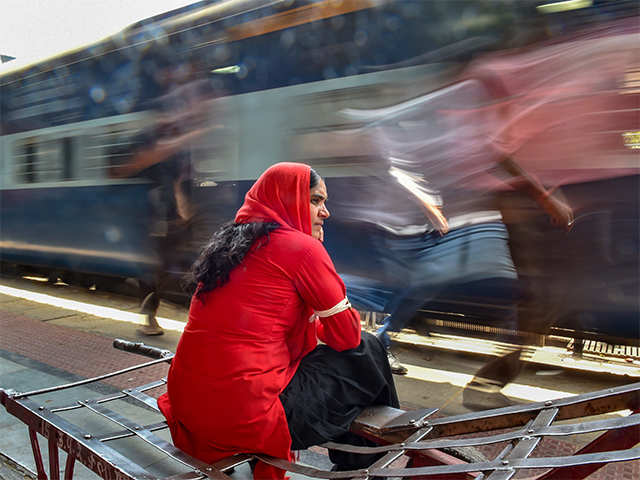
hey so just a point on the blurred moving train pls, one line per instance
(278, 76)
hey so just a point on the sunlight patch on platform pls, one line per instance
(88, 308)
(514, 390)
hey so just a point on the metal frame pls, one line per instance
(417, 434)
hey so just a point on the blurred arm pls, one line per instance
(158, 152)
(560, 213)
(431, 210)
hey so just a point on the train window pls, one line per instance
(41, 160)
(107, 148)
(24, 159)
(67, 158)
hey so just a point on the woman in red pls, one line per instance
(249, 374)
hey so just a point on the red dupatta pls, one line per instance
(280, 195)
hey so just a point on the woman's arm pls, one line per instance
(322, 289)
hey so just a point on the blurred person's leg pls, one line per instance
(149, 309)
(539, 252)
(541, 263)
(483, 391)
(153, 288)
(478, 261)
(471, 260)
(396, 321)
(408, 266)
(150, 294)
(176, 252)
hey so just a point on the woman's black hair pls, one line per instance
(314, 178)
(227, 248)
(225, 251)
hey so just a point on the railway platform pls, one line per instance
(44, 345)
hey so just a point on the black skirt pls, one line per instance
(330, 389)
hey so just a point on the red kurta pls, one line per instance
(244, 342)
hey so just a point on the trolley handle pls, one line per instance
(141, 349)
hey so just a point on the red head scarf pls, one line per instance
(281, 195)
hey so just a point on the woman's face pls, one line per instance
(318, 209)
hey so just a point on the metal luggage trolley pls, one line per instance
(103, 436)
